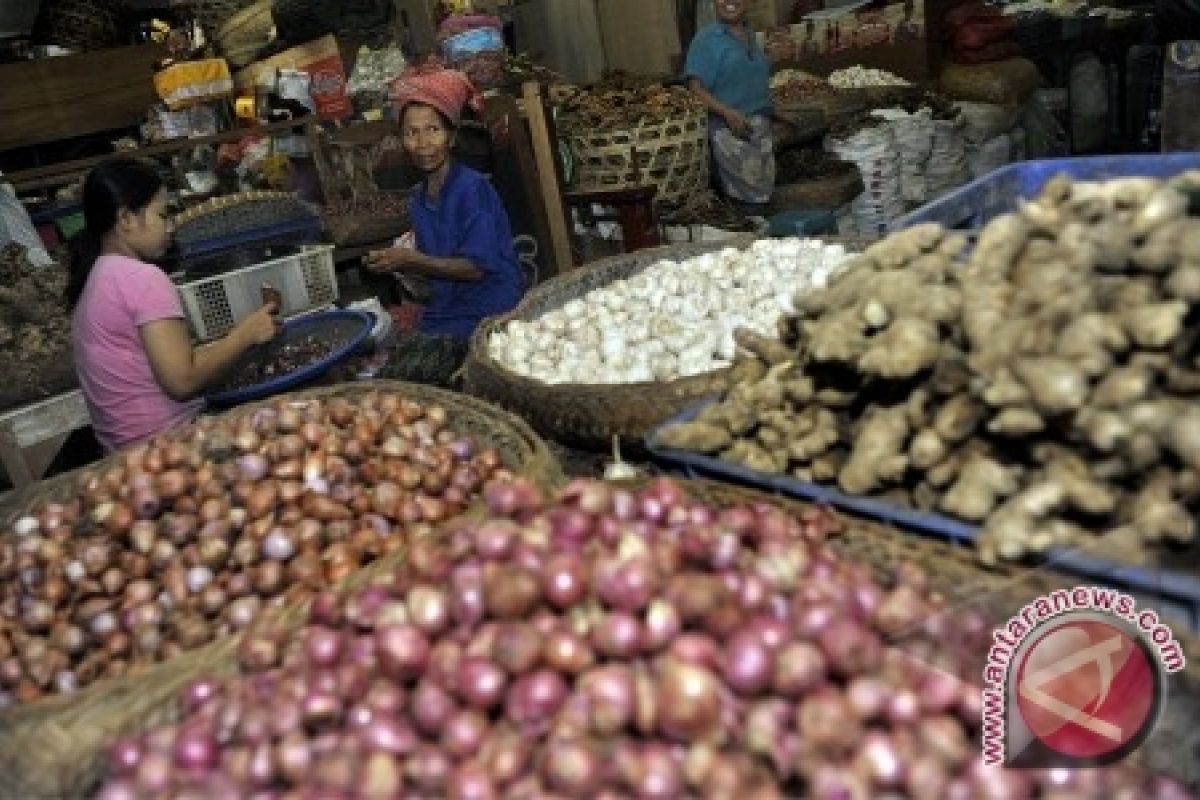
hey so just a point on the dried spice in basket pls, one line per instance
(798, 164)
(35, 329)
(707, 208)
(622, 102)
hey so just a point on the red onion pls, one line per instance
(868, 697)
(496, 539)
(833, 782)
(464, 733)
(124, 756)
(199, 692)
(879, 760)
(278, 545)
(470, 782)
(903, 707)
(660, 776)
(662, 625)
(570, 528)
(444, 662)
(403, 651)
(618, 636)
(535, 697)
(481, 683)
(380, 778)
(564, 580)
(696, 648)
(689, 701)
(748, 664)
(611, 695)
(511, 592)
(565, 652)
(939, 691)
(849, 648)
(826, 722)
(629, 585)
(431, 707)
(429, 609)
(323, 647)
(943, 737)
(517, 648)
(505, 756)
(428, 769)
(195, 749)
(466, 601)
(572, 766)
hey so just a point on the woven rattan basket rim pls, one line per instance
(541, 402)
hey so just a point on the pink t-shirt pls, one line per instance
(125, 401)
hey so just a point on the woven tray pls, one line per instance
(589, 415)
(954, 572)
(825, 193)
(54, 749)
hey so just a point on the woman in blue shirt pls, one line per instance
(463, 239)
(730, 74)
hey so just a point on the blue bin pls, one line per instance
(972, 206)
(1171, 592)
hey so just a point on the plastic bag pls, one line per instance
(991, 155)
(982, 122)
(1044, 135)
(874, 152)
(15, 226)
(1089, 104)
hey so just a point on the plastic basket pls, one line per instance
(671, 155)
(972, 206)
(1170, 591)
(349, 328)
(306, 280)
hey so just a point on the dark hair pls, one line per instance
(119, 182)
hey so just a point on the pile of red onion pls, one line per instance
(191, 536)
(613, 645)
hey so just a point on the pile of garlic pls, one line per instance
(671, 320)
(864, 78)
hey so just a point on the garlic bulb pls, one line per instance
(863, 77)
(671, 320)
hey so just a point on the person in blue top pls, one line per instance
(463, 242)
(730, 74)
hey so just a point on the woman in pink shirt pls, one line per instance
(137, 367)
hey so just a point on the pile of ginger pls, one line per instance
(1041, 384)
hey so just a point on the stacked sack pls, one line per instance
(980, 34)
(873, 150)
(914, 134)
(474, 43)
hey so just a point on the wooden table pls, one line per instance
(47, 421)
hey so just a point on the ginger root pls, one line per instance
(982, 483)
(878, 455)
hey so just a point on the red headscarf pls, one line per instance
(447, 90)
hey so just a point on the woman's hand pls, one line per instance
(738, 122)
(261, 326)
(394, 259)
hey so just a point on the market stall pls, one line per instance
(748, 508)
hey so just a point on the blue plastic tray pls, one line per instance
(356, 325)
(971, 206)
(1173, 592)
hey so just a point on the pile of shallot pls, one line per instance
(612, 644)
(191, 536)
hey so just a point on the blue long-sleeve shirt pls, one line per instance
(466, 220)
(735, 72)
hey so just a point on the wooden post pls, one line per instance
(547, 166)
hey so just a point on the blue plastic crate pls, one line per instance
(1171, 592)
(302, 230)
(972, 206)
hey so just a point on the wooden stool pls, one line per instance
(635, 213)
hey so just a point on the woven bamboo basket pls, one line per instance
(671, 155)
(212, 14)
(55, 748)
(954, 572)
(589, 415)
